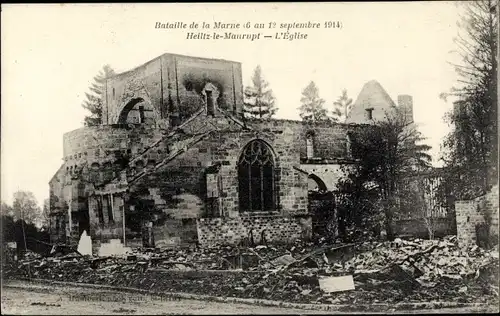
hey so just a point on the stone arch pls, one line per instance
(258, 138)
(315, 182)
(321, 205)
(122, 115)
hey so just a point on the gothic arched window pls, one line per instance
(256, 178)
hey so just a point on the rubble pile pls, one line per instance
(385, 272)
(424, 259)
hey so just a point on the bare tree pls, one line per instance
(25, 207)
(417, 202)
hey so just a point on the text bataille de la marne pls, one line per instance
(204, 35)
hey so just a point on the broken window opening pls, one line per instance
(57, 226)
(210, 103)
(309, 146)
(141, 114)
(212, 199)
(256, 178)
(369, 113)
(348, 145)
(109, 206)
(100, 213)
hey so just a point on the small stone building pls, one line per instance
(174, 162)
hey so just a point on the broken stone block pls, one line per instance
(113, 248)
(283, 260)
(181, 267)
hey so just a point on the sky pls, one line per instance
(50, 54)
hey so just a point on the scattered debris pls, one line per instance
(283, 260)
(124, 310)
(45, 304)
(398, 271)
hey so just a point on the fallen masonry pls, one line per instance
(382, 272)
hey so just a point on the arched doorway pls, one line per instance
(321, 203)
(136, 111)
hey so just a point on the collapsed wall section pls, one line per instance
(170, 88)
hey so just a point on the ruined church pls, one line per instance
(174, 161)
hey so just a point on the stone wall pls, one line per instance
(416, 227)
(178, 189)
(330, 174)
(329, 138)
(171, 85)
(276, 229)
(175, 232)
(106, 217)
(98, 145)
(470, 213)
(186, 174)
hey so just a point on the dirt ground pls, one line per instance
(28, 299)
(22, 298)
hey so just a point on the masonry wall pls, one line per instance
(93, 155)
(417, 228)
(63, 201)
(58, 209)
(142, 82)
(330, 174)
(179, 189)
(175, 232)
(98, 145)
(231, 231)
(329, 139)
(469, 214)
(109, 224)
(171, 85)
